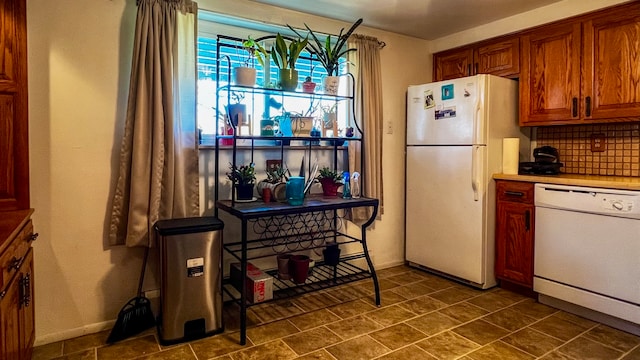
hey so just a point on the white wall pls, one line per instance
(79, 62)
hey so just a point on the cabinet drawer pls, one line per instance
(14, 254)
(515, 191)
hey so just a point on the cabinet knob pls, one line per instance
(587, 105)
(33, 237)
(574, 107)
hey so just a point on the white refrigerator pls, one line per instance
(454, 146)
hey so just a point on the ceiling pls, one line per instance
(426, 19)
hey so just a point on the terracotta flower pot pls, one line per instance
(244, 76)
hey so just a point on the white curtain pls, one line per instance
(366, 70)
(158, 174)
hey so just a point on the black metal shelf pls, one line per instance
(320, 218)
(322, 277)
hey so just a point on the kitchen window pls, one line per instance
(211, 25)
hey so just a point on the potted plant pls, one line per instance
(243, 178)
(246, 75)
(329, 54)
(330, 180)
(275, 182)
(308, 85)
(285, 58)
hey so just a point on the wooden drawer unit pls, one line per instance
(14, 255)
(515, 213)
(515, 191)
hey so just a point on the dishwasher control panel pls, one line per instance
(613, 203)
(622, 203)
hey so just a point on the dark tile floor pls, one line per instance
(422, 317)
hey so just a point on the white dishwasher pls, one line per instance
(587, 248)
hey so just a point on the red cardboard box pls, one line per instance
(259, 284)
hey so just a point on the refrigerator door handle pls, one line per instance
(475, 178)
(477, 132)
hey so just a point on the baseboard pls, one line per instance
(73, 333)
(388, 264)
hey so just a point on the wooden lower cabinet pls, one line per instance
(515, 214)
(17, 325)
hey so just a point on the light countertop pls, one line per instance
(599, 181)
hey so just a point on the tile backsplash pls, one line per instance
(621, 155)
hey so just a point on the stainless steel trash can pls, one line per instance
(190, 278)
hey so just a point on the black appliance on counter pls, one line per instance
(546, 162)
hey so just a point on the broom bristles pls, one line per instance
(135, 317)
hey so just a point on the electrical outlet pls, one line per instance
(598, 142)
(389, 127)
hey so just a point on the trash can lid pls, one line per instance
(188, 225)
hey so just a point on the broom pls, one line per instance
(136, 315)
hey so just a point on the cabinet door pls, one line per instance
(611, 63)
(500, 58)
(27, 319)
(9, 323)
(550, 74)
(514, 242)
(453, 64)
(14, 144)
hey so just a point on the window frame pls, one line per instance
(210, 33)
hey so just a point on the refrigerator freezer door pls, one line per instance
(445, 113)
(444, 223)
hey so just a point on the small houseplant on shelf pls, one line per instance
(329, 54)
(308, 86)
(330, 180)
(285, 57)
(275, 182)
(246, 75)
(243, 178)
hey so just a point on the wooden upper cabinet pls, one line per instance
(550, 76)
(501, 58)
(583, 70)
(453, 64)
(14, 144)
(611, 65)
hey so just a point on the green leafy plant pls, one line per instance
(284, 56)
(328, 173)
(276, 175)
(255, 51)
(243, 175)
(328, 52)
